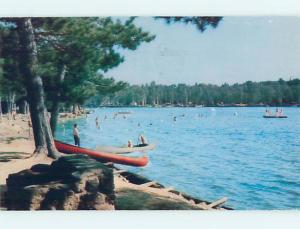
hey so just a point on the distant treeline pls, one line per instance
(279, 92)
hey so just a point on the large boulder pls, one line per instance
(74, 182)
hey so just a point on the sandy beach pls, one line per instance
(17, 145)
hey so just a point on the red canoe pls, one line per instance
(115, 158)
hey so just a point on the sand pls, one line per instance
(16, 141)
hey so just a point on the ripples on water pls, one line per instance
(253, 161)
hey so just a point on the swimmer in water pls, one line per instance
(143, 141)
(129, 144)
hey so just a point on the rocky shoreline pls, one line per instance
(87, 184)
(84, 184)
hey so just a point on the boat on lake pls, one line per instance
(278, 114)
(103, 156)
(274, 116)
(123, 150)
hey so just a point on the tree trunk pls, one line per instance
(27, 108)
(54, 116)
(0, 109)
(55, 102)
(28, 65)
(75, 109)
(5, 106)
(8, 106)
(22, 106)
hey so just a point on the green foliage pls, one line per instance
(85, 48)
(252, 93)
(88, 47)
(10, 79)
(202, 23)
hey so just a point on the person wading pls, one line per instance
(97, 123)
(76, 135)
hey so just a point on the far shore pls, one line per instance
(195, 106)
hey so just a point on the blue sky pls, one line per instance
(239, 49)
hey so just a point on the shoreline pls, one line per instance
(16, 145)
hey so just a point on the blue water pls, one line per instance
(253, 161)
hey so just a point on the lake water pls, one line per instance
(209, 152)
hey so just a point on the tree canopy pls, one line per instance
(73, 56)
(279, 92)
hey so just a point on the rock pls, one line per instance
(95, 201)
(131, 199)
(74, 182)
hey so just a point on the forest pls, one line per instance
(274, 93)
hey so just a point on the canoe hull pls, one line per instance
(118, 159)
(267, 116)
(123, 150)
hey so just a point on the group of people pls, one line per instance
(97, 121)
(141, 140)
(278, 112)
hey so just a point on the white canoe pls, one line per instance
(120, 150)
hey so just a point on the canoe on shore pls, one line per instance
(107, 157)
(274, 116)
(123, 150)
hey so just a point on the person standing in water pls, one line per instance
(267, 112)
(277, 112)
(97, 123)
(76, 135)
(280, 112)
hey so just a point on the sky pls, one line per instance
(239, 49)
